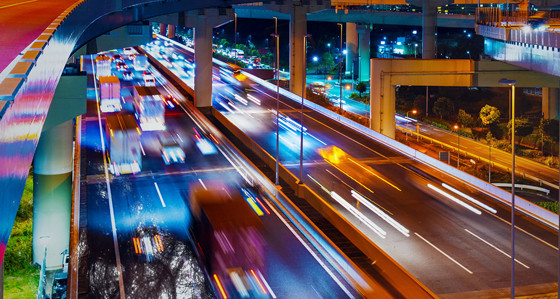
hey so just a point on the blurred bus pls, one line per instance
(149, 108)
(125, 154)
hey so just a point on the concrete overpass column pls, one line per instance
(429, 24)
(382, 98)
(162, 29)
(52, 194)
(203, 62)
(351, 47)
(550, 102)
(298, 29)
(171, 31)
(364, 34)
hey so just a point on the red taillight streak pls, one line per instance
(258, 281)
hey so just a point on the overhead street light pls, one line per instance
(340, 67)
(277, 37)
(512, 83)
(304, 77)
(456, 128)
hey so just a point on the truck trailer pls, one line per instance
(229, 236)
(102, 66)
(110, 94)
(149, 108)
(125, 153)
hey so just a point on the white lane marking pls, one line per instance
(159, 194)
(445, 254)
(453, 198)
(109, 195)
(499, 250)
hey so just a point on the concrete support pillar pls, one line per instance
(298, 29)
(203, 62)
(429, 24)
(550, 102)
(52, 194)
(171, 31)
(162, 29)
(382, 98)
(351, 48)
(364, 37)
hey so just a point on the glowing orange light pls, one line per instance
(258, 281)
(329, 78)
(137, 247)
(222, 291)
(348, 87)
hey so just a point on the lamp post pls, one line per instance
(340, 67)
(235, 36)
(277, 181)
(405, 132)
(302, 99)
(512, 95)
(456, 128)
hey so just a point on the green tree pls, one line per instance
(523, 127)
(464, 118)
(361, 87)
(489, 115)
(419, 104)
(443, 106)
(549, 127)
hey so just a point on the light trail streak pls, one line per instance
(490, 209)
(370, 224)
(368, 189)
(373, 173)
(381, 214)
(453, 198)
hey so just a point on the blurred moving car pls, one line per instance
(147, 242)
(171, 150)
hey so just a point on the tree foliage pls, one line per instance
(523, 127)
(465, 119)
(361, 87)
(443, 106)
(549, 127)
(489, 115)
(419, 104)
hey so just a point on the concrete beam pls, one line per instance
(387, 73)
(69, 101)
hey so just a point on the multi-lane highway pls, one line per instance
(453, 238)
(154, 201)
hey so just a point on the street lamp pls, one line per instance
(340, 67)
(277, 107)
(235, 36)
(512, 95)
(302, 99)
(456, 128)
(405, 132)
(316, 59)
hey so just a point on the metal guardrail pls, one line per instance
(523, 187)
(479, 158)
(522, 205)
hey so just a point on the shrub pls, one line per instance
(551, 206)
